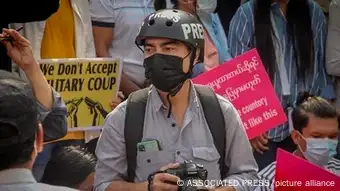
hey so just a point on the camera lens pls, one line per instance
(141, 148)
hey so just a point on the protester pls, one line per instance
(315, 133)
(333, 49)
(51, 109)
(66, 34)
(26, 11)
(216, 49)
(21, 133)
(173, 116)
(290, 37)
(115, 25)
(70, 167)
(21, 136)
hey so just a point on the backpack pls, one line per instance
(134, 124)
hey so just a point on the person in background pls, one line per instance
(324, 4)
(333, 49)
(216, 49)
(115, 25)
(70, 167)
(290, 37)
(226, 11)
(316, 127)
(26, 11)
(66, 34)
(51, 108)
(21, 133)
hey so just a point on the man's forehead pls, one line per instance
(161, 41)
(322, 125)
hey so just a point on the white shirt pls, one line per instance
(126, 17)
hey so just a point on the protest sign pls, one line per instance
(245, 83)
(296, 174)
(86, 86)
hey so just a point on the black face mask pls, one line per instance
(165, 72)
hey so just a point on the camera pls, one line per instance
(190, 172)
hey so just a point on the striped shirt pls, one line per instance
(268, 174)
(241, 39)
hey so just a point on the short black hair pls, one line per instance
(17, 154)
(18, 121)
(309, 104)
(69, 167)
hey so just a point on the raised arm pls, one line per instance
(51, 109)
(103, 22)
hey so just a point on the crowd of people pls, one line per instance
(160, 119)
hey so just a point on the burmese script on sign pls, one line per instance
(245, 83)
(86, 86)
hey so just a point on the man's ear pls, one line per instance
(295, 135)
(39, 138)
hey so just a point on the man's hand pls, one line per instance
(19, 49)
(160, 180)
(259, 143)
(115, 102)
(224, 189)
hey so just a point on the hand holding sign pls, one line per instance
(259, 143)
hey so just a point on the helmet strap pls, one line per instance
(192, 60)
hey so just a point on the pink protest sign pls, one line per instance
(296, 174)
(245, 83)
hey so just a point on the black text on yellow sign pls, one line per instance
(86, 86)
(102, 82)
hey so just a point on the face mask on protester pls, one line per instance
(165, 71)
(206, 6)
(319, 151)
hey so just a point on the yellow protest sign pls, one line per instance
(86, 86)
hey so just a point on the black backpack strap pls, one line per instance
(215, 119)
(134, 124)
